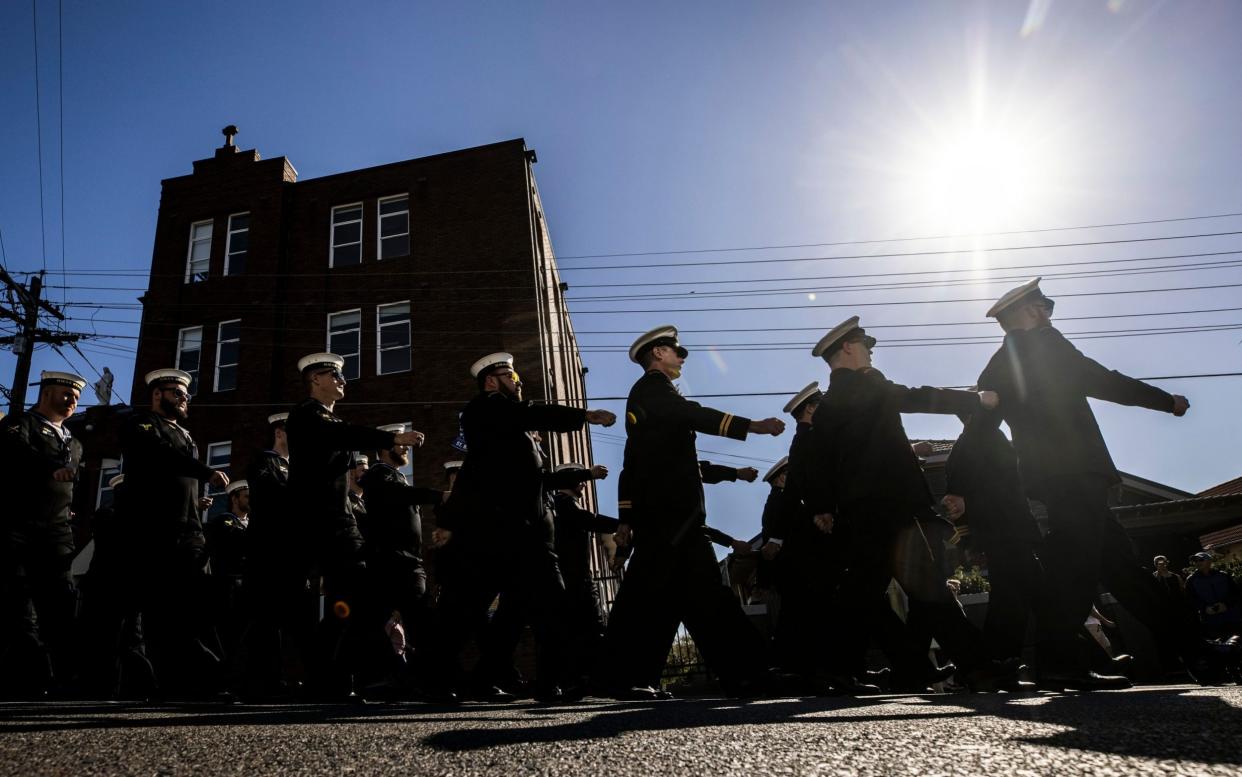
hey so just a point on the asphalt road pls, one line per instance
(1150, 730)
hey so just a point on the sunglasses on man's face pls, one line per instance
(335, 373)
(178, 393)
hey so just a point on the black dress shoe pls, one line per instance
(1082, 681)
(489, 693)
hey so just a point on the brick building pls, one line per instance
(410, 270)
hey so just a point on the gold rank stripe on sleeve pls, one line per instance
(624, 504)
(724, 425)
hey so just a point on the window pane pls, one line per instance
(389, 314)
(339, 321)
(202, 231)
(228, 353)
(394, 206)
(393, 247)
(241, 221)
(346, 256)
(230, 330)
(351, 367)
(343, 344)
(239, 242)
(395, 361)
(347, 233)
(394, 336)
(201, 250)
(227, 378)
(394, 225)
(346, 214)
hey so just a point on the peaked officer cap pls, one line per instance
(320, 361)
(840, 334)
(1027, 292)
(236, 485)
(777, 469)
(490, 361)
(449, 466)
(277, 418)
(179, 377)
(53, 378)
(356, 459)
(795, 404)
(394, 428)
(116, 480)
(661, 335)
(569, 465)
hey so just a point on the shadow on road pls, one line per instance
(1158, 722)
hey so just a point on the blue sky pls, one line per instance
(665, 126)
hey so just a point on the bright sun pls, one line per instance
(976, 179)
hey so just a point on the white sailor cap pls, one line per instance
(357, 459)
(1027, 292)
(277, 418)
(661, 335)
(491, 360)
(394, 428)
(236, 485)
(569, 465)
(777, 468)
(450, 466)
(53, 378)
(116, 480)
(320, 361)
(179, 377)
(793, 405)
(842, 333)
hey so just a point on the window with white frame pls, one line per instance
(393, 340)
(199, 255)
(394, 226)
(228, 347)
(346, 235)
(108, 469)
(219, 456)
(189, 353)
(238, 246)
(345, 339)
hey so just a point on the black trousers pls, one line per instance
(667, 585)
(37, 602)
(350, 625)
(1018, 593)
(180, 641)
(282, 615)
(888, 543)
(1085, 548)
(522, 570)
(807, 571)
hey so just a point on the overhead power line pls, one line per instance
(34, 13)
(875, 241)
(343, 284)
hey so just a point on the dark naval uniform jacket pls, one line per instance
(660, 490)
(393, 529)
(226, 544)
(275, 540)
(862, 452)
(320, 443)
(982, 468)
(38, 510)
(1044, 382)
(499, 494)
(574, 527)
(162, 484)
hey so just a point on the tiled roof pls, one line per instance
(1222, 538)
(1182, 505)
(1224, 489)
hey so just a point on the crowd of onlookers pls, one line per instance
(1212, 593)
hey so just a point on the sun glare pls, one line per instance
(976, 179)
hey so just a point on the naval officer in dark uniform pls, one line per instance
(499, 517)
(1044, 382)
(394, 538)
(868, 480)
(226, 546)
(163, 478)
(36, 542)
(673, 575)
(320, 445)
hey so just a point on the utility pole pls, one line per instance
(24, 342)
